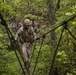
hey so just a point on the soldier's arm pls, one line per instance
(19, 32)
(34, 34)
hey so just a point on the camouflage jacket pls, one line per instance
(25, 35)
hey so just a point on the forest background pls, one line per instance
(46, 15)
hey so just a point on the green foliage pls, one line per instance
(43, 64)
(66, 56)
(8, 63)
(30, 16)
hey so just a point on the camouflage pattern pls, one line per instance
(26, 37)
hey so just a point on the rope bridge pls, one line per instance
(14, 43)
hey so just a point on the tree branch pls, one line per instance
(58, 4)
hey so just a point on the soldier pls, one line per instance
(26, 35)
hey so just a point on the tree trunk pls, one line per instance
(51, 12)
(52, 20)
(58, 4)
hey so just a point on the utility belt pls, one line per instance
(27, 44)
(26, 41)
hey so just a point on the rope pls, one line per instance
(64, 27)
(33, 51)
(3, 22)
(13, 42)
(38, 55)
(71, 34)
(13, 46)
(55, 53)
(19, 50)
(17, 44)
(64, 22)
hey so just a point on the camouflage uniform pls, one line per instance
(26, 35)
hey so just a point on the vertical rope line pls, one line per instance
(55, 53)
(18, 50)
(33, 52)
(37, 56)
(3, 22)
(71, 34)
(15, 51)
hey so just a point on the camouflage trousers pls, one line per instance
(26, 50)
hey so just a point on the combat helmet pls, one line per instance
(27, 22)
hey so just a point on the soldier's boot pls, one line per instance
(27, 65)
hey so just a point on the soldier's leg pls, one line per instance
(25, 55)
(29, 49)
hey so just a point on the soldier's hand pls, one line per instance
(15, 38)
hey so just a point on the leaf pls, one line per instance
(1, 35)
(30, 16)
